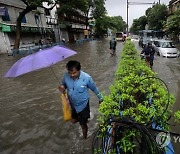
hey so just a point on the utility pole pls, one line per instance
(135, 3)
(127, 16)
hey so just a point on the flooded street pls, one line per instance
(30, 108)
(31, 119)
(168, 70)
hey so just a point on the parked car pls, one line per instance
(165, 48)
(143, 41)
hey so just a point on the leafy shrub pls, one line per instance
(138, 94)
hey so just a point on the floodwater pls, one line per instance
(31, 119)
(30, 108)
(168, 69)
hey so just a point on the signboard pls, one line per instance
(23, 29)
(12, 28)
(6, 28)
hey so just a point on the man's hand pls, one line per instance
(100, 101)
(61, 89)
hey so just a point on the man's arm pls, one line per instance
(143, 51)
(93, 87)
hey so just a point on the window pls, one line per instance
(6, 15)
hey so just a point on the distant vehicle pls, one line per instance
(135, 38)
(152, 33)
(143, 41)
(119, 36)
(165, 48)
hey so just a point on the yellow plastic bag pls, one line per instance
(66, 107)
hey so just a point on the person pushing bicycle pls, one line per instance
(149, 52)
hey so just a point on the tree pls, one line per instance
(98, 12)
(173, 25)
(30, 5)
(156, 16)
(98, 9)
(117, 23)
(138, 24)
(101, 26)
(135, 26)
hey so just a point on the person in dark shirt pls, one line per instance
(149, 52)
(113, 46)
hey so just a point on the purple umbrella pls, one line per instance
(40, 59)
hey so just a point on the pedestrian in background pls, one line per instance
(113, 44)
(124, 37)
(78, 84)
(149, 52)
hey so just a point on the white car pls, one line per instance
(135, 38)
(165, 48)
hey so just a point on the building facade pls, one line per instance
(173, 6)
(73, 26)
(34, 26)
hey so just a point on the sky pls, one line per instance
(119, 8)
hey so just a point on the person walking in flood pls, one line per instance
(113, 44)
(77, 83)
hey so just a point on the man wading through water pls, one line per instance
(113, 46)
(77, 84)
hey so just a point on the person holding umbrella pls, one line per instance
(77, 83)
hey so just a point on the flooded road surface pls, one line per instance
(169, 71)
(31, 119)
(30, 109)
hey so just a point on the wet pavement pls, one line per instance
(30, 109)
(168, 70)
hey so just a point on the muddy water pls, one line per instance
(30, 109)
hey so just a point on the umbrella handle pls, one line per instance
(54, 74)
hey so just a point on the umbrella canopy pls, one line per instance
(40, 59)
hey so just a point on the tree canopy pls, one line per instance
(117, 23)
(138, 24)
(156, 16)
(173, 24)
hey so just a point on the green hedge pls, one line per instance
(136, 93)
